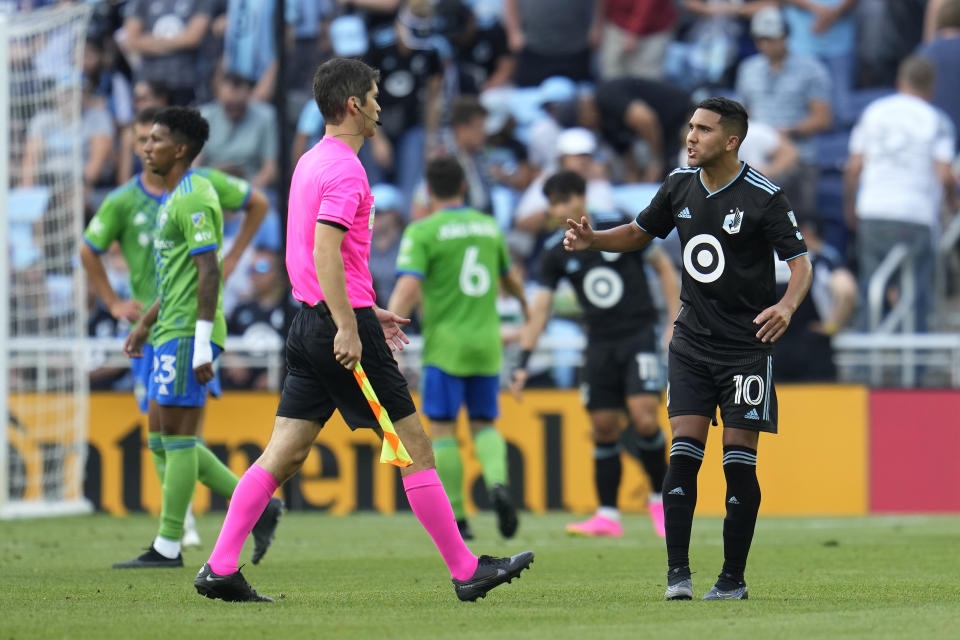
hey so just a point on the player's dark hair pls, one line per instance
(445, 177)
(464, 109)
(733, 117)
(917, 72)
(147, 116)
(948, 16)
(337, 80)
(564, 184)
(186, 126)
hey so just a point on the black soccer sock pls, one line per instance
(743, 503)
(680, 498)
(607, 470)
(653, 456)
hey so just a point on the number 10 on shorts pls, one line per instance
(749, 388)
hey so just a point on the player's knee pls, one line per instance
(645, 423)
(605, 432)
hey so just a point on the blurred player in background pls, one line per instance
(455, 259)
(186, 319)
(622, 369)
(127, 216)
(329, 233)
(730, 219)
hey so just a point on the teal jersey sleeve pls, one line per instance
(412, 258)
(232, 192)
(197, 221)
(106, 224)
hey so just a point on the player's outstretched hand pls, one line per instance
(347, 347)
(773, 322)
(391, 324)
(133, 345)
(579, 235)
(517, 382)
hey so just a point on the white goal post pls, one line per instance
(44, 389)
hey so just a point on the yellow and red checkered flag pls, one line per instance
(393, 451)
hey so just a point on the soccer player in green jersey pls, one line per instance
(188, 327)
(127, 216)
(454, 258)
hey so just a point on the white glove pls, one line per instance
(202, 351)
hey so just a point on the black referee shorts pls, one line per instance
(316, 383)
(743, 390)
(614, 370)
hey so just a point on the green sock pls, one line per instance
(492, 453)
(213, 473)
(155, 443)
(178, 482)
(446, 453)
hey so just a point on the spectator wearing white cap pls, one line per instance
(790, 92)
(576, 148)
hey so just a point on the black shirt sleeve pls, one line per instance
(657, 218)
(780, 228)
(550, 269)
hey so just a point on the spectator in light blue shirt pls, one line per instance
(790, 92)
(248, 45)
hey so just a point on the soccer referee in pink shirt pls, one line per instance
(329, 226)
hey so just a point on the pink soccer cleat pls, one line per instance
(596, 527)
(655, 507)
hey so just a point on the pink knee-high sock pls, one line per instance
(432, 507)
(249, 499)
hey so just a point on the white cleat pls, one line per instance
(190, 537)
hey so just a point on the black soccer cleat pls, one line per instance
(464, 528)
(506, 512)
(230, 588)
(151, 559)
(679, 584)
(265, 528)
(490, 573)
(728, 587)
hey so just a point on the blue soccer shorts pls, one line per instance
(172, 382)
(444, 394)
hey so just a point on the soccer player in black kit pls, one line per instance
(623, 368)
(730, 219)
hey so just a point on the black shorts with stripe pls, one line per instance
(614, 370)
(316, 383)
(742, 387)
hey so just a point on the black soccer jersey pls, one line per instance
(727, 238)
(612, 288)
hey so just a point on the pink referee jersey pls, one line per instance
(330, 185)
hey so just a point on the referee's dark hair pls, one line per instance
(733, 117)
(186, 126)
(564, 184)
(445, 177)
(336, 80)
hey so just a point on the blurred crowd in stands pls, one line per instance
(860, 132)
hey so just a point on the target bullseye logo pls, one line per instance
(703, 258)
(603, 287)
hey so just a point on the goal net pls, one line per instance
(43, 384)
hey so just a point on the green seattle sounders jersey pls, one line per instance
(129, 215)
(189, 222)
(460, 255)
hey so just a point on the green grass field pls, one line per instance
(370, 576)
